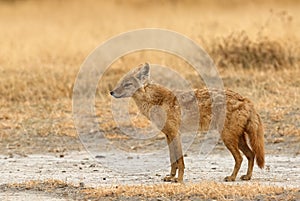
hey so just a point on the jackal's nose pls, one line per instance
(111, 93)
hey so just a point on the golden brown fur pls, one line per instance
(241, 120)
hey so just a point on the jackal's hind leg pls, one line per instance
(232, 146)
(249, 154)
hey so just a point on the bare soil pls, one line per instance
(79, 169)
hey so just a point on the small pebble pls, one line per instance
(92, 165)
(81, 184)
(99, 156)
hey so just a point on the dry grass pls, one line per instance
(45, 42)
(238, 50)
(204, 190)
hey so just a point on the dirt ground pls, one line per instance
(80, 169)
(112, 168)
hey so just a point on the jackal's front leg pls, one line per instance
(173, 162)
(176, 159)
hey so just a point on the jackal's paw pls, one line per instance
(169, 178)
(245, 177)
(177, 180)
(229, 178)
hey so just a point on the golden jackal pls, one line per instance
(241, 120)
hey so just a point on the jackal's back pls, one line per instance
(237, 108)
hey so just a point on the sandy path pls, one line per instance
(76, 167)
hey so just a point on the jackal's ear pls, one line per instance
(144, 73)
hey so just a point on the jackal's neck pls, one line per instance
(152, 93)
(143, 93)
(155, 95)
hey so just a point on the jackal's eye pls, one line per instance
(127, 85)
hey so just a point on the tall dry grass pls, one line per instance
(239, 51)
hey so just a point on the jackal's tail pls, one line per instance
(256, 134)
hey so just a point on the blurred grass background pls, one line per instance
(255, 45)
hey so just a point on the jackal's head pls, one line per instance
(132, 81)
